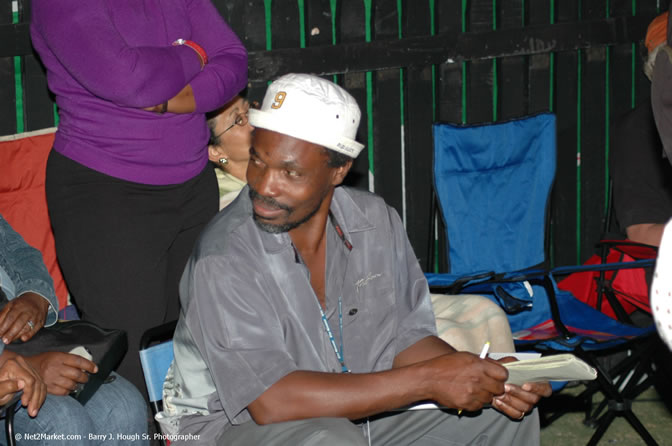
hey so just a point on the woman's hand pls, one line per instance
(23, 317)
(62, 372)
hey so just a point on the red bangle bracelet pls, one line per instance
(196, 47)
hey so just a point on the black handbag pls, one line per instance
(106, 346)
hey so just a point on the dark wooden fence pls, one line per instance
(412, 62)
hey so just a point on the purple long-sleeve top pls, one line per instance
(107, 59)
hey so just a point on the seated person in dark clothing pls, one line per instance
(642, 178)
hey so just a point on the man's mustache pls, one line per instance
(268, 201)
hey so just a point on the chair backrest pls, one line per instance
(156, 355)
(23, 202)
(155, 362)
(493, 182)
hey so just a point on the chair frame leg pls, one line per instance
(619, 403)
(10, 410)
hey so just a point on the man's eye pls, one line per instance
(292, 173)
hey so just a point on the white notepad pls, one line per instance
(562, 367)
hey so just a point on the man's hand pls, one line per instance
(16, 374)
(519, 400)
(464, 381)
(16, 315)
(62, 372)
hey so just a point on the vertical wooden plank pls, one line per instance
(319, 23)
(564, 213)
(387, 131)
(285, 24)
(352, 28)
(7, 91)
(621, 68)
(593, 141)
(418, 127)
(39, 102)
(539, 71)
(449, 105)
(620, 78)
(450, 82)
(247, 19)
(513, 74)
(480, 72)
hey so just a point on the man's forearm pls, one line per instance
(303, 394)
(426, 348)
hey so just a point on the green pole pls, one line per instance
(302, 23)
(369, 97)
(267, 17)
(18, 78)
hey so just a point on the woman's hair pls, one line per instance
(214, 140)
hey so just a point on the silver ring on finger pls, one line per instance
(31, 324)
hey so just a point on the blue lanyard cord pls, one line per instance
(339, 352)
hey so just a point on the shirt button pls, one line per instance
(352, 311)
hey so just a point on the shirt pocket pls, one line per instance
(374, 300)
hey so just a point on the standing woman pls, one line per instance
(128, 182)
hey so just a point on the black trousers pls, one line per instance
(122, 246)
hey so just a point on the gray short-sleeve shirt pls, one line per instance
(250, 316)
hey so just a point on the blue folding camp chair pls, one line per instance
(493, 184)
(156, 355)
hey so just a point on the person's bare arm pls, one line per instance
(426, 348)
(648, 233)
(457, 380)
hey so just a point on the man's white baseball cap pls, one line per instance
(313, 109)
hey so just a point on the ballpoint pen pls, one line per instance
(483, 355)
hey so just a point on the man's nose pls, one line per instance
(265, 183)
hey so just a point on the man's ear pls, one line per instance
(339, 173)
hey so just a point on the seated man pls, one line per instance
(642, 178)
(306, 317)
(116, 408)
